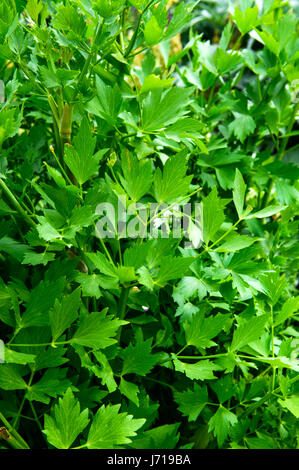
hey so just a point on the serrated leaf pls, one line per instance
(15, 357)
(110, 428)
(199, 331)
(246, 20)
(191, 402)
(11, 377)
(66, 422)
(137, 178)
(288, 309)
(152, 31)
(213, 215)
(80, 158)
(242, 126)
(239, 192)
(13, 248)
(105, 373)
(220, 424)
(267, 212)
(41, 300)
(130, 390)
(64, 313)
(38, 258)
(52, 384)
(173, 182)
(69, 19)
(159, 109)
(248, 331)
(200, 370)
(161, 437)
(97, 330)
(138, 359)
(236, 242)
(224, 388)
(292, 404)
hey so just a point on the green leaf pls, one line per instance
(69, 19)
(108, 102)
(235, 242)
(192, 402)
(242, 126)
(89, 284)
(97, 330)
(105, 373)
(138, 359)
(286, 30)
(137, 178)
(160, 109)
(64, 314)
(130, 390)
(200, 370)
(199, 331)
(288, 309)
(224, 388)
(213, 215)
(15, 249)
(220, 424)
(172, 268)
(110, 428)
(80, 158)
(102, 264)
(248, 331)
(11, 377)
(152, 31)
(52, 384)
(66, 422)
(292, 404)
(266, 212)
(239, 192)
(274, 285)
(247, 20)
(173, 182)
(161, 437)
(35, 259)
(14, 357)
(152, 82)
(41, 300)
(181, 17)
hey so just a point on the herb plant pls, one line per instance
(175, 337)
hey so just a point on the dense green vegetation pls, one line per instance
(167, 336)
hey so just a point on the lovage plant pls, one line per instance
(149, 217)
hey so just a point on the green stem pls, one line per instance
(16, 204)
(88, 60)
(16, 420)
(268, 395)
(106, 251)
(203, 357)
(156, 214)
(122, 307)
(220, 238)
(17, 441)
(133, 38)
(272, 345)
(35, 416)
(289, 129)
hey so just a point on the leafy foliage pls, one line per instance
(180, 336)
